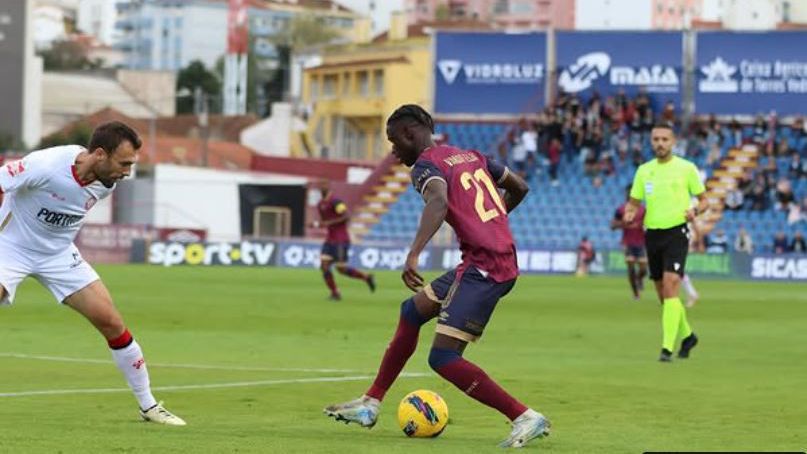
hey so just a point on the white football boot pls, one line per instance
(160, 415)
(529, 426)
(363, 411)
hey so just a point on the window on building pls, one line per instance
(786, 11)
(347, 82)
(329, 86)
(313, 88)
(523, 8)
(363, 80)
(378, 82)
(501, 7)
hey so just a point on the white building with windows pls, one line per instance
(97, 18)
(613, 14)
(169, 34)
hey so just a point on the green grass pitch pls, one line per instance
(249, 357)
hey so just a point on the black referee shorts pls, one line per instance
(667, 250)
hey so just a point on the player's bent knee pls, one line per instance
(439, 357)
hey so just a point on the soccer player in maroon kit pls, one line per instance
(459, 187)
(633, 242)
(334, 215)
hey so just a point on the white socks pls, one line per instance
(688, 287)
(130, 361)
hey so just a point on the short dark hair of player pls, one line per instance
(664, 125)
(414, 112)
(110, 135)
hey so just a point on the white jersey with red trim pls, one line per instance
(44, 202)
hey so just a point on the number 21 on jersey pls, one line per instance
(469, 181)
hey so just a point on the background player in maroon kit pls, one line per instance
(633, 242)
(334, 216)
(461, 188)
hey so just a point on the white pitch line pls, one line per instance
(241, 384)
(181, 366)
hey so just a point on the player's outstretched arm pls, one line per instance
(515, 190)
(434, 213)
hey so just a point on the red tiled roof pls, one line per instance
(227, 128)
(184, 151)
(172, 143)
(699, 24)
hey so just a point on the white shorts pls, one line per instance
(63, 274)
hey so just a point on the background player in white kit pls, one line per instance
(46, 196)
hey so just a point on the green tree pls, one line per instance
(442, 12)
(80, 134)
(10, 143)
(192, 76)
(306, 30)
(66, 55)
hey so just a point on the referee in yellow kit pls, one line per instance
(667, 184)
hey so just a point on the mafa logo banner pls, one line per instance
(482, 73)
(750, 73)
(608, 62)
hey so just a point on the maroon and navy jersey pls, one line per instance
(632, 235)
(331, 208)
(475, 209)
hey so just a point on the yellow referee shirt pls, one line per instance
(667, 189)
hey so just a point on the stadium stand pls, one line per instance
(591, 184)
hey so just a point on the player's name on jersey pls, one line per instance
(460, 158)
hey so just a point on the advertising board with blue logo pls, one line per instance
(610, 62)
(489, 73)
(750, 73)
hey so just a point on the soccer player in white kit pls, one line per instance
(46, 195)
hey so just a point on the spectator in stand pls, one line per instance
(736, 133)
(759, 135)
(759, 193)
(585, 256)
(553, 153)
(698, 145)
(717, 243)
(668, 114)
(529, 140)
(798, 244)
(607, 165)
(780, 245)
(714, 143)
(735, 199)
(797, 168)
(743, 242)
(794, 214)
(804, 209)
(799, 136)
(784, 195)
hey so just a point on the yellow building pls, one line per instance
(357, 87)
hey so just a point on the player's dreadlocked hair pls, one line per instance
(414, 112)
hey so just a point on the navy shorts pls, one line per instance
(467, 303)
(335, 252)
(635, 252)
